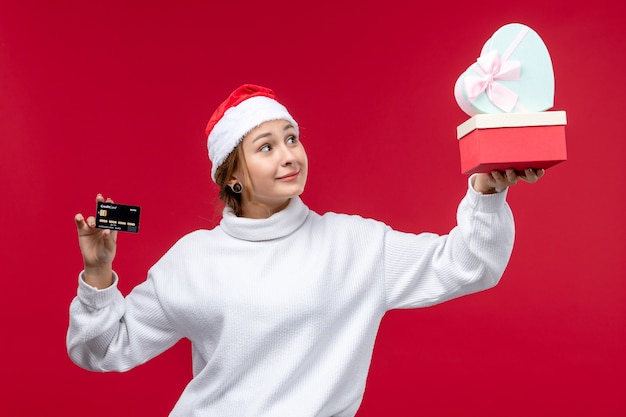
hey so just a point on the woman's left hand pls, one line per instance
(495, 181)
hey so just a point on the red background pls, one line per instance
(113, 97)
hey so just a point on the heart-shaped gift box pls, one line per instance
(507, 92)
(513, 74)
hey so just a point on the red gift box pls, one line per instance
(490, 142)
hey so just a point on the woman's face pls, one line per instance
(277, 165)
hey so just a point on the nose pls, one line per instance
(287, 156)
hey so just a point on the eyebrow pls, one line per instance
(288, 126)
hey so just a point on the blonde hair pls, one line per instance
(224, 173)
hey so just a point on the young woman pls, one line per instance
(281, 304)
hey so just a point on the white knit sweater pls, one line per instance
(282, 312)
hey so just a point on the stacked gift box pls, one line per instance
(507, 93)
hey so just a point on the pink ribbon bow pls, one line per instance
(491, 68)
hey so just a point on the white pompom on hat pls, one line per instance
(245, 108)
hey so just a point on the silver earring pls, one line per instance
(237, 188)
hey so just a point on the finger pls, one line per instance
(110, 238)
(497, 176)
(529, 175)
(100, 199)
(511, 176)
(113, 235)
(540, 172)
(80, 221)
(82, 224)
(532, 175)
(536, 174)
(500, 180)
(91, 221)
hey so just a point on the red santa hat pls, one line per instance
(245, 108)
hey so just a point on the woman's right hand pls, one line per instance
(98, 249)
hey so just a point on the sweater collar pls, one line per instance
(276, 226)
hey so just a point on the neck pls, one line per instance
(253, 210)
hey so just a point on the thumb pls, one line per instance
(110, 236)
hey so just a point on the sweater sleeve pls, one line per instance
(108, 332)
(426, 269)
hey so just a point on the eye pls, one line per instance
(265, 148)
(292, 139)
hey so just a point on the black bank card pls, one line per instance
(115, 216)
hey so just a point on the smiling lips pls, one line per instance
(289, 177)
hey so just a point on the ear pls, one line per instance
(233, 179)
